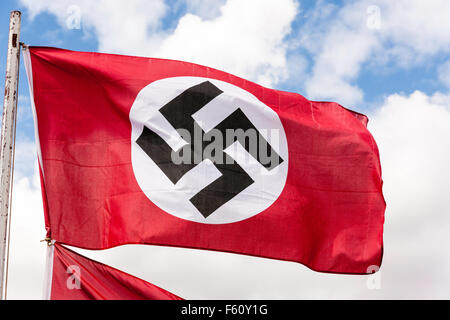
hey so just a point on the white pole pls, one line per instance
(7, 140)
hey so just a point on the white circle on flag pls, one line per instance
(174, 198)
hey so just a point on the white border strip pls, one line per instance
(29, 71)
(48, 273)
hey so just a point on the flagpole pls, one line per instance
(7, 141)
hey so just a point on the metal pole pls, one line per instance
(7, 140)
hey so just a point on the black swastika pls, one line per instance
(234, 178)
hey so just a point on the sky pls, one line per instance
(387, 59)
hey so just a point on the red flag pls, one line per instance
(75, 277)
(153, 151)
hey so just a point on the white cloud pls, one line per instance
(420, 25)
(246, 37)
(27, 253)
(338, 53)
(132, 28)
(412, 134)
(342, 43)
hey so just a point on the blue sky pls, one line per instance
(387, 59)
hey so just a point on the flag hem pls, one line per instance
(229, 251)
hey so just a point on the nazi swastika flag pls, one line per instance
(154, 151)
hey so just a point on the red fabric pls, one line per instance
(329, 216)
(78, 278)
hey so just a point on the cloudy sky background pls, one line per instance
(387, 59)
